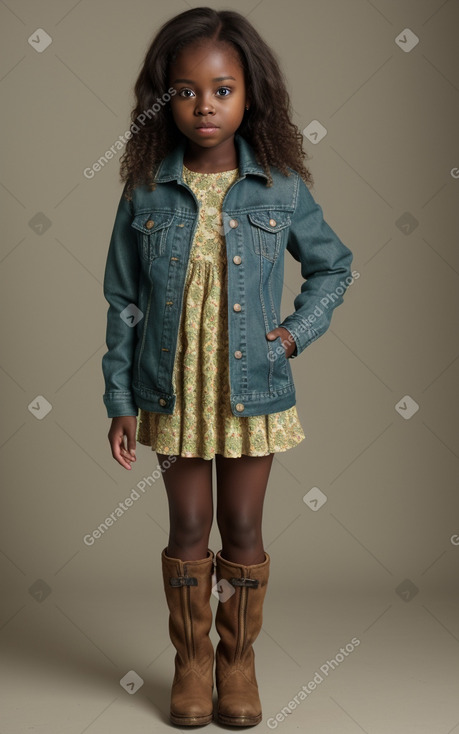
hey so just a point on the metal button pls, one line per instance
(237, 259)
(237, 307)
(233, 223)
(162, 401)
(149, 224)
(238, 354)
(240, 406)
(272, 222)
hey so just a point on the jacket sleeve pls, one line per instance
(120, 287)
(325, 266)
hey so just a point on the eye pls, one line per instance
(183, 91)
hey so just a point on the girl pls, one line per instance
(215, 191)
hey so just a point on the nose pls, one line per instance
(204, 107)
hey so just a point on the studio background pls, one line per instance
(372, 552)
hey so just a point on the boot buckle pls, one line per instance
(183, 581)
(243, 581)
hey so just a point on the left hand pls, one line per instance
(288, 341)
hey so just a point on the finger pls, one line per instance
(127, 456)
(119, 454)
(122, 461)
(131, 444)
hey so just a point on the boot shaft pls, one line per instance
(239, 615)
(188, 586)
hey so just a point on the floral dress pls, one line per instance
(202, 423)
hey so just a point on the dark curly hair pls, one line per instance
(266, 126)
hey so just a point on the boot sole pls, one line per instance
(239, 720)
(191, 720)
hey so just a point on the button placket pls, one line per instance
(233, 223)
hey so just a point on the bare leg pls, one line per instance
(241, 487)
(188, 483)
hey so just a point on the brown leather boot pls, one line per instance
(188, 585)
(238, 621)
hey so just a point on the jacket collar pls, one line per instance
(171, 166)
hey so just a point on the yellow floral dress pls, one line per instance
(202, 423)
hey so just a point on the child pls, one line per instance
(215, 192)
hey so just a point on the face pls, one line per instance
(210, 90)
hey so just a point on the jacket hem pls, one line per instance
(254, 403)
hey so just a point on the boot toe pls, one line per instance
(238, 701)
(191, 700)
(191, 711)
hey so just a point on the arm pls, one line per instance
(325, 267)
(120, 287)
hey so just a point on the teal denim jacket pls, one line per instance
(145, 275)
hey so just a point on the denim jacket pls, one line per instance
(145, 274)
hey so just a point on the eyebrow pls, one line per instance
(216, 79)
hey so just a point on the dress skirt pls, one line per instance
(202, 423)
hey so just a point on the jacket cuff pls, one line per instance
(119, 403)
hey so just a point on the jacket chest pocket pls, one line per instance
(153, 229)
(269, 232)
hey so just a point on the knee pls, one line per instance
(190, 529)
(239, 532)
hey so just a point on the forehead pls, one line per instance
(205, 56)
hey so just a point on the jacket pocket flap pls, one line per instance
(270, 221)
(151, 223)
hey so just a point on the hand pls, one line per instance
(288, 342)
(123, 425)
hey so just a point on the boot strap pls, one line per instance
(251, 583)
(183, 581)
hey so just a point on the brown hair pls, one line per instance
(266, 126)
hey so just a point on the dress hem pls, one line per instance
(188, 455)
